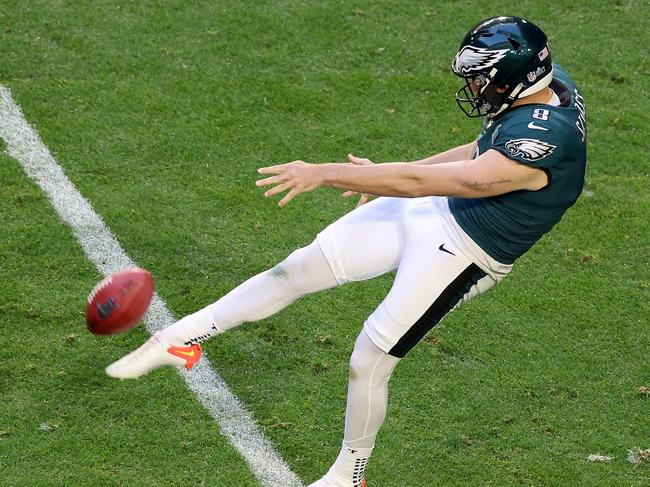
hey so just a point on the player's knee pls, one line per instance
(288, 272)
(293, 270)
(370, 363)
(280, 272)
(361, 365)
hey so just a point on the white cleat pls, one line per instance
(154, 353)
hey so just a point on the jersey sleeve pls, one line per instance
(530, 141)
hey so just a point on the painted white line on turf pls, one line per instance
(103, 249)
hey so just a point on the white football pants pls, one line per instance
(438, 267)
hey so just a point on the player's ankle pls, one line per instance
(350, 466)
(195, 328)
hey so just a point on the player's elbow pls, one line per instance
(419, 187)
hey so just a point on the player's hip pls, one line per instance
(430, 215)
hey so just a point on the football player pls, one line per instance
(452, 224)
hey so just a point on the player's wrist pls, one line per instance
(329, 173)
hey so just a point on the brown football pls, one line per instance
(119, 301)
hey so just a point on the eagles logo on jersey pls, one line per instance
(529, 149)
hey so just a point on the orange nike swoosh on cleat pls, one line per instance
(191, 354)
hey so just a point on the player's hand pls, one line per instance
(296, 177)
(359, 161)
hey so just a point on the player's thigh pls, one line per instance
(429, 283)
(366, 242)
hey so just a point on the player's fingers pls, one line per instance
(271, 180)
(354, 159)
(363, 200)
(347, 194)
(278, 189)
(289, 196)
(278, 169)
(361, 161)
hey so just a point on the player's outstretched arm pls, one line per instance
(490, 174)
(460, 153)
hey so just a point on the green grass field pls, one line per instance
(160, 113)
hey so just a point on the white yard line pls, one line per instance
(103, 250)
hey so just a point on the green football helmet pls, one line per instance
(504, 58)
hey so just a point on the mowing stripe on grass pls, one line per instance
(103, 250)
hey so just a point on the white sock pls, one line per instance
(193, 328)
(349, 468)
(305, 271)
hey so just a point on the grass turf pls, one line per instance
(160, 112)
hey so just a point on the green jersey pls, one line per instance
(552, 138)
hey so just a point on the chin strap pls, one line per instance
(508, 101)
(518, 93)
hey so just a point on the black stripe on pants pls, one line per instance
(445, 302)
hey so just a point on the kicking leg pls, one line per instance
(305, 271)
(362, 244)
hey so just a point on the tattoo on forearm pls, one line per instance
(487, 184)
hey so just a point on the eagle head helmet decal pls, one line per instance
(474, 59)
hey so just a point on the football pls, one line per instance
(119, 301)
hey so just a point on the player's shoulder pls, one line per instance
(538, 131)
(564, 123)
(538, 122)
(554, 118)
(536, 119)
